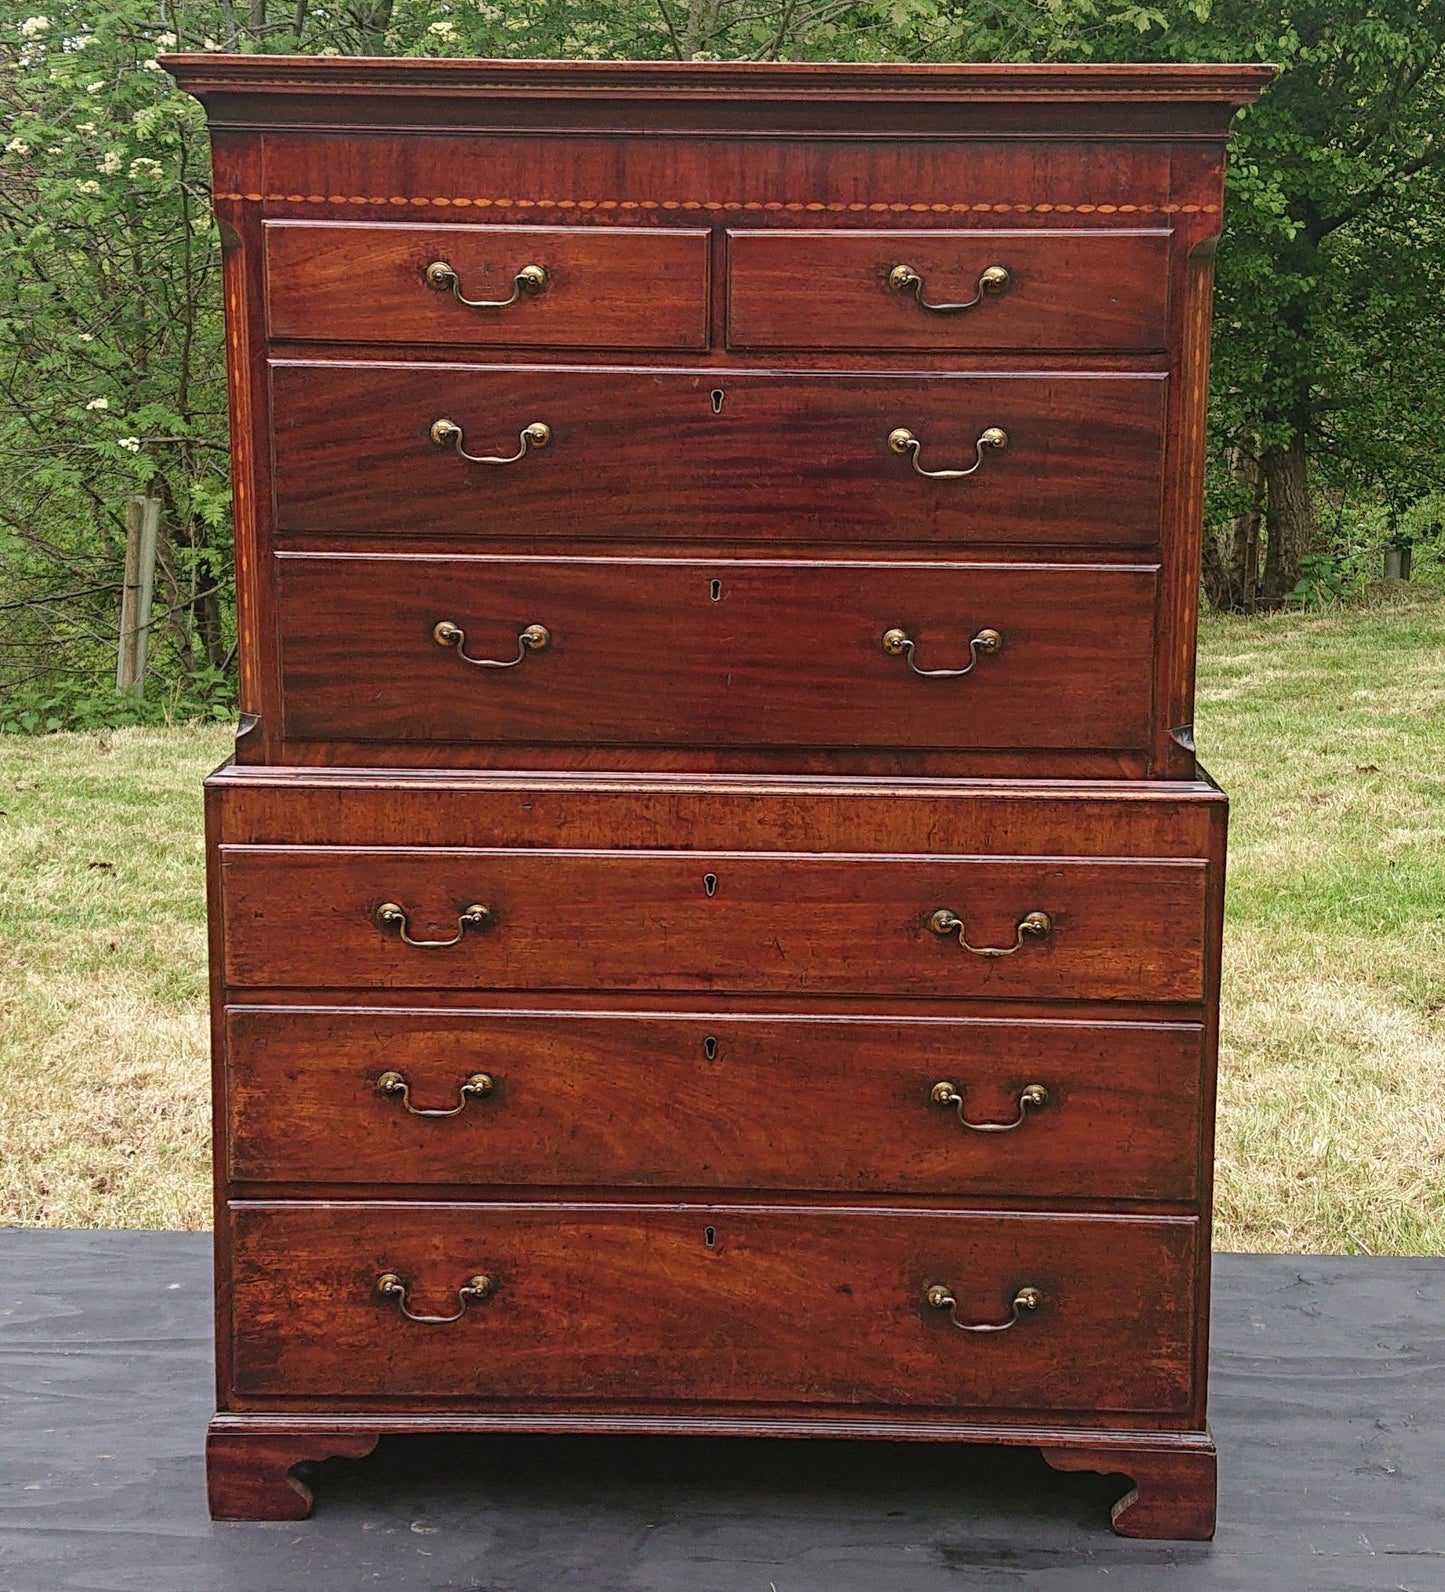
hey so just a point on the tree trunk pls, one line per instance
(1289, 517)
(1231, 552)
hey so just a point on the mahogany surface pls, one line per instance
(715, 1100)
(719, 652)
(647, 457)
(711, 818)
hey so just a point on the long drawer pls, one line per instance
(978, 1107)
(714, 1303)
(717, 455)
(1042, 928)
(724, 653)
(965, 290)
(537, 287)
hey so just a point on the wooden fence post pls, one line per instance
(142, 524)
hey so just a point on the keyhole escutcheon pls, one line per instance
(709, 1236)
(714, 590)
(709, 884)
(717, 400)
(709, 1047)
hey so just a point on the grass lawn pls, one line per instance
(1327, 730)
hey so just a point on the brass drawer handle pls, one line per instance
(537, 435)
(535, 638)
(475, 1290)
(531, 280)
(394, 1085)
(390, 916)
(939, 1298)
(1033, 926)
(898, 643)
(904, 279)
(949, 1094)
(903, 441)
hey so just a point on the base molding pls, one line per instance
(250, 1458)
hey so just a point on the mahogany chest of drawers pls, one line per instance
(715, 916)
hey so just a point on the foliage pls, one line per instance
(1330, 348)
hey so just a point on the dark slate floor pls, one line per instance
(1328, 1406)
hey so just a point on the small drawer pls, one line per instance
(542, 454)
(714, 1303)
(1086, 290)
(1040, 928)
(977, 1107)
(722, 653)
(532, 287)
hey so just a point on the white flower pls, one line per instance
(165, 41)
(489, 13)
(131, 444)
(95, 88)
(145, 167)
(98, 403)
(87, 187)
(112, 163)
(85, 127)
(33, 27)
(330, 49)
(443, 29)
(17, 146)
(82, 41)
(85, 337)
(210, 44)
(151, 65)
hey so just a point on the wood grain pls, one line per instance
(299, 918)
(365, 282)
(830, 290)
(819, 1306)
(726, 652)
(642, 456)
(713, 1100)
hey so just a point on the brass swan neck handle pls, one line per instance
(395, 1086)
(447, 432)
(1032, 926)
(898, 643)
(391, 916)
(1025, 1300)
(1033, 1097)
(531, 280)
(901, 440)
(392, 1289)
(535, 638)
(994, 279)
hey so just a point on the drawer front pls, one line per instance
(652, 455)
(1000, 290)
(715, 1303)
(710, 1100)
(308, 918)
(377, 283)
(721, 653)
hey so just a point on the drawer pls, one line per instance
(715, 653)
(308, 918)
(600, 287)
(714, 1100)
(715, 1303)
(1054, 291)
(642, 456)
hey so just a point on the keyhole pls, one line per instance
(714, 590)
(709, 1236)
(717, 400)
(709, 883)
(709, 1047)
